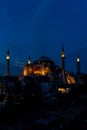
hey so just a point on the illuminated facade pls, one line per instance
(70, 79)
(42, 66)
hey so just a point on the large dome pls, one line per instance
(44, 58)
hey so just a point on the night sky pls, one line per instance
(41, 27)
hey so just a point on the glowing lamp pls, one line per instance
(29, 62)
(78, 60)
(62, 55)
(7, 57)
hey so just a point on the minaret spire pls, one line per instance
(8, 63)
(63, 65)
(63, 58)
(78, 64)
(29, 60)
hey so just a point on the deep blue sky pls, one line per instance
(40, 27)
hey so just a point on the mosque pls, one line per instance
(44, 66)
(45, 73)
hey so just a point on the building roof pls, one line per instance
(44, 58)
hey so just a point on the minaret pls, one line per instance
(7, 63)
(29, 60)
(63, 66)
(63, 59)
(78, 64)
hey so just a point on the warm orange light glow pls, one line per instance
(29, 70)
(42, 70)
(62, 90)
(62, 55)
(25, 72)
(70, 79)
(39, 69)
(37, 72)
